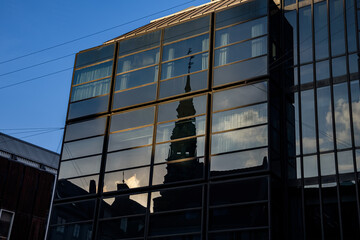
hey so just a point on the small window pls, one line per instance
(6, 221)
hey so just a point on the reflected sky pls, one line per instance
(126, 179)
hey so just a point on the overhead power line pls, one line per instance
(96, 33)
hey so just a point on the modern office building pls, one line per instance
(27, 180)
(230, 120)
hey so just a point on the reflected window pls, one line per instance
(345, 162)
(138, 60)
(95, 55)
(80, 167)
(128, 159)
(101, 70)
(327, 163)
(136, 44)
(72, 212)
(81, 148)
(6, 221)
(85, 129)
(76, 186)
(126, 179)
(310, 166)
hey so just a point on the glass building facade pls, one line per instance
(232, 120)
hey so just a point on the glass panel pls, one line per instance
(173, 199)
(240, 96)
(180, 129)
(127, 159)
(241, 32)
(6, 219)
(85, 129)
(184, 84)
(76, 187)
(291, 17)
(88, 107)
(73, 212)
(128, 139)
(256, 189)
(239, 162)
(132, 119)
(305, 34)
(179, 237)
(310, 166)
(243, 12)
(298, 168)
(184, 66)
(241, 51)
(240, 71)
(80, 167)
(127, 227)
(175, 223)
(96, 55)
(297, 122)
(139, 43)
(342, 118)
(306, 74)
(331, 211)
(327, 163)
(135, 96)
(322, 70)
(350, 25)
(123, 205)
(240, 139)
(82, 148)
(191, 106)
(89, 90)
(186, 47)
(337, 27)
(138, 60)
(241, 235)
(339, 66)
(91, 73)
(345, 162)
(244, 216)
(308, 121)
(353, 64)
(355, 96)
(127, 179)
(188, 148)
(178, 171)
(240, 117)
(187, 29)
(71, 232)
(325, 126)
(136, 78)
(321, 30)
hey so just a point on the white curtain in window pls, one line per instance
(92, 73)
(223, 54)
(256, 44)
(204, 59)
(170, 66)
(90, 90)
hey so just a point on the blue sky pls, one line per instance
(35, 111)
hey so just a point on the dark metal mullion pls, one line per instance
(317, 121)
(333, 118)
(105, 147)
(350, 103)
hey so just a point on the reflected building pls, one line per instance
(230, 120)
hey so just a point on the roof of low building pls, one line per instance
(28, 151)
(182, 16)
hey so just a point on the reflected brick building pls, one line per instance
(27, 178)
(230, 120)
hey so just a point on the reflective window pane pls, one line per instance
(306, 74)
(240, 96)
(186, 29)
(135, 96)
(240, 71)
(126, 179)
(238, 140)
(127, 159)
(85, 129)
(178, 171)
(345, 162)
(94, 72)
(355, 97)
(123, 205)
(241, 51)
(184, 84)
(88, 107)
(310, 166)
(308, 121)
(90, 90)
(136, 78)
(353, 65)
(240, 117)
(82, 148)
(127, 227)
(339, 67)
(350, 25)
(139, 43)
(325, 126)
(95, 55)
(322, 70)
(305, 34)
(239, 162)
(241, 32)
(321, 30)
(76, 186)
(132, 138)
(186, 47)
(327, 163)
(138, 60)
(337, 27)
(80, 230)
(243, 12)
(72, 212)
(253, 235)
(180, 129)
(184, 66)
(132, 119)
(190, 107)
(80, 167)
(291, 18)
